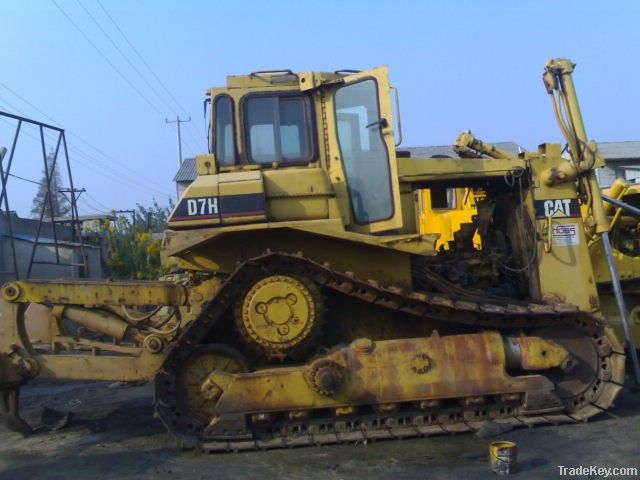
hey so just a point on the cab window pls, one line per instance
(443, 199)
(278, 129)
(363, 151)
(225, 148)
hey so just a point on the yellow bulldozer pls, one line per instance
(625, 239)
(447, 211)
(307, 308)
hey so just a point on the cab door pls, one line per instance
(364, 127)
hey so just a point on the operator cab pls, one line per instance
(331, 132)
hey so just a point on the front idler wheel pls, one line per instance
(194, 393)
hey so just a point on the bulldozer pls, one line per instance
(447, 212)
(625, 239)
(305, 307)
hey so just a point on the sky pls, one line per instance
(110, 72)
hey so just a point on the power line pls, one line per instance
(124, 56)
(106, 59)
(140, 57)
(12, 106)
(193, 137)
(88, 208)
(107, 170)
(88, 157)
(71, 147)
(27, 102)
(188, 145)
(93, 206)
(95, 201)
(194, 150)
(24, 179)
(120, 164)
(82, 200)
(108, 157)
(122, 180)
(93, 147)
(144, 62)
(95, 161)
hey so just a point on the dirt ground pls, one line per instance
(113, 435)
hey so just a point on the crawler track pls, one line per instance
(451, 417)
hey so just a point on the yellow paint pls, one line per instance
(446, 221)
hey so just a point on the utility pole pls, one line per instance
(130, 212)
(178, 121)
(76, 226)
(74, 195)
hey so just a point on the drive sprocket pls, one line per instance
(279, 315)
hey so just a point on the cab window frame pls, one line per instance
(214, 132)
(309, 125)
(354, 214)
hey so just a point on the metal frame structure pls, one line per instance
(5, 173)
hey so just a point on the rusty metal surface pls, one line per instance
(20, 360)
(408, 422)
(83, 292)
(535, 353)
(393, 371)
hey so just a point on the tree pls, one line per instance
(60, 203)
(153, 218)
(134, 253)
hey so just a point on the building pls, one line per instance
(187, 173)
(95, 224)
(18, 237)
(622, 160)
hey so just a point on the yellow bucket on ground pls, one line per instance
(503, 457)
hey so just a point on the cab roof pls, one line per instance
(278, 78)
